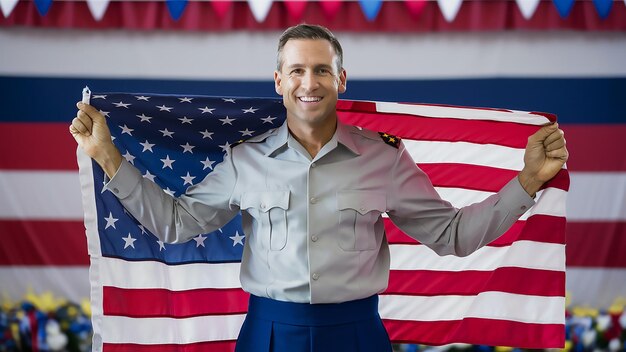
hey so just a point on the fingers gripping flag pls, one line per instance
(151, 296)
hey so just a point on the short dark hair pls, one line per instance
(307, 31)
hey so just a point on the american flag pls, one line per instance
(150, 296)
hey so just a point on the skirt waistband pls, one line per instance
(313, 314)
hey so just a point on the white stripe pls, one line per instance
(488, 305)
(466, 153)
(155, 331)
(253, 54)
(545, 256)
(40, 195)
(592, 196)
(149, 274)
(462, 113)
(67, 282)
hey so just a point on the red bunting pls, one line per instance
(221, 7)
(330, 8)
(415, 7)
(295, 9)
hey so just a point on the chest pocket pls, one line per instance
(358, 213)
(270, 210)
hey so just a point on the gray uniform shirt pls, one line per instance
(314, 226)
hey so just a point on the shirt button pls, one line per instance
(313, 200)
(313, 165)
(314, 238)
(316, 276)
(362, 209)
(523, 207)
(115, 190)
(263, 205)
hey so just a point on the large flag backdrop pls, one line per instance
(578, 75)
(147, 295)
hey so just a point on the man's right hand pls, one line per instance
(92, 134)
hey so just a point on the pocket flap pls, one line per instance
(264, 201)
(361, 201)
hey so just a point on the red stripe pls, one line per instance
(37, 146)
(481, 178)
(585, 141)
(538, 228)
(443, 129)
(44, 242)
(149, 303)
(596, 244)
(477, 331)
(505, 279)
(213, 346)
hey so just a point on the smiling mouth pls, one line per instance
(310, 99)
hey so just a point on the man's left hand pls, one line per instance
(545, 155)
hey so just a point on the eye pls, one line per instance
(323, 71)
(296, 71)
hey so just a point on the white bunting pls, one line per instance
(449, 8)
(260, 9)
(528, 7)
(7, 6)
(98, 8)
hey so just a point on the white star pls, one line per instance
(268, 119)
(199, 241)
(228, 100)
(227, 120)
(207, 163)
(164, 108)
(147, 146)
(169, 191)
(126, 129)
(206, 109)
(110, 221)
(185, 119)
(129, 157)
(237, 239)
(149, 176)
(161, 245)
(129, 241)
(188, 179)
(144, 118)
(206, 134)
(104, 113)
(141, 97)
(185, 100)
(247, 132)
(225, 147)
(251, 109)
(143, 229)
(167, 162)
(166, 133)
(112, 138)
(187, 148)
(121, 104)
(99, 97)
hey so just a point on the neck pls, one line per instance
(313, 138)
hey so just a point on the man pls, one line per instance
(311, 194)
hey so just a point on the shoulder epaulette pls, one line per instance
(390, 139)
(254, 139)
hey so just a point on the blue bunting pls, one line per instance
(603, 7)
(176, 8)
(564, 7)
(43, 6)
(370, 8)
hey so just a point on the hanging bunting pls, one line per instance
(564, 7)
(260, 9)
(415, 7)
(603, 7)
(7, 6)
(98, 8)
(370, 8)
(449, 8)
(43, 6)
(295, 8)
(176, 8)
(221, 7)
(331, 8)
(527, 7)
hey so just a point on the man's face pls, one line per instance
(309, 82)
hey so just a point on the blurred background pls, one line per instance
(564, 57)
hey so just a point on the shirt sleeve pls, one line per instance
(418, 210)
(205, 207)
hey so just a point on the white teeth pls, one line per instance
(309, 99)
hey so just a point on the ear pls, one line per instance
(343, 81)
(277, 83)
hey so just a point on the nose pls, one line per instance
(309, 81)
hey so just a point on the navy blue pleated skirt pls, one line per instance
(276, 326)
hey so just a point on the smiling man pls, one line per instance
(312, 193)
